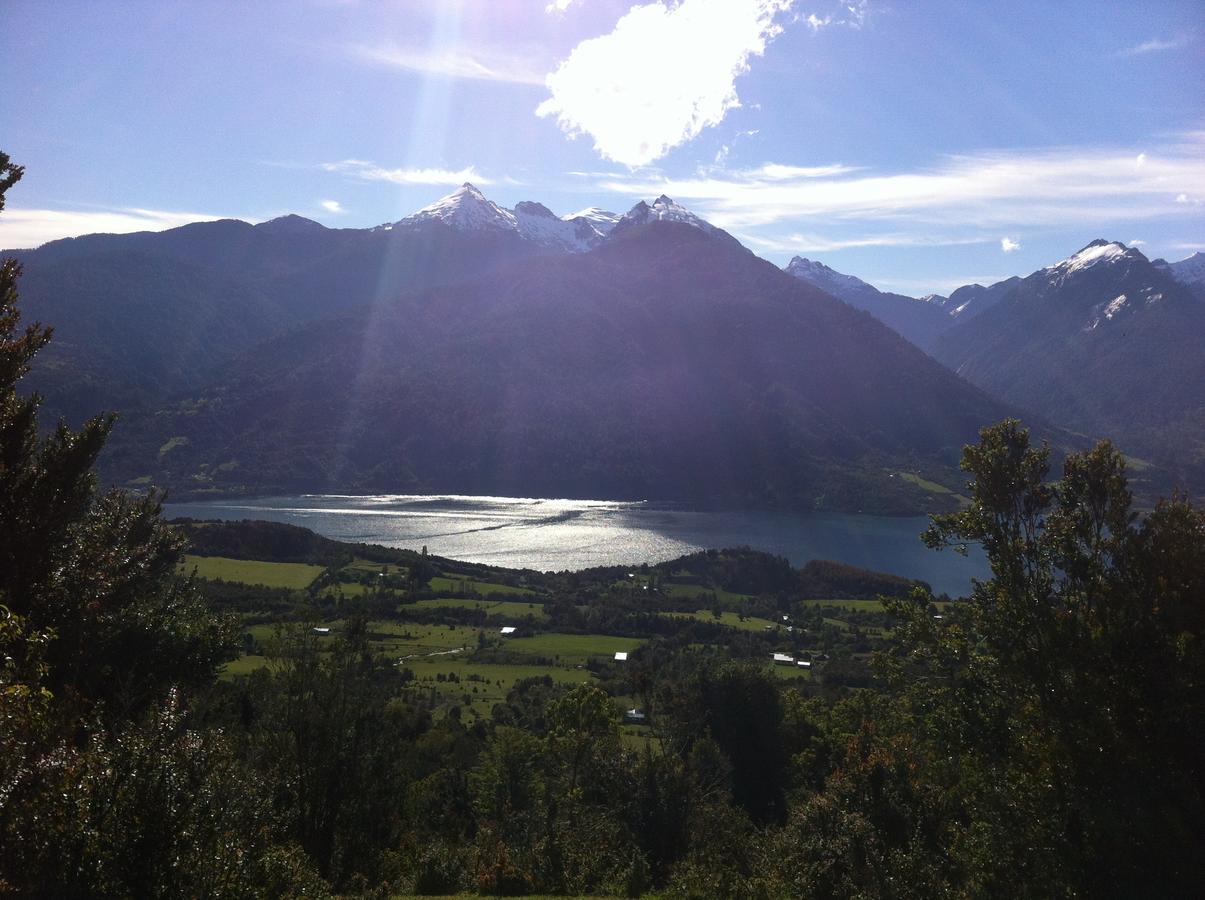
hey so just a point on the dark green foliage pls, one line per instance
(822, 578)
(105, 789)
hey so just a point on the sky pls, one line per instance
(917, 145)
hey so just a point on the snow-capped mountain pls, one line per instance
(663, 209)
(602, 220)
(836, 283)
(1187, 271)
(1098, 255)
(467, 209)
(915, 320)
(1104, 341)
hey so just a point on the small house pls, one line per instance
(508, 629)
(621, 656)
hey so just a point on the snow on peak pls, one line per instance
(531, 208)
(602, 220)
(1099, 252)
(465, 209)
(663, 209)
(1190, 270)
(817, 273)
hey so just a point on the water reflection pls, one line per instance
(577, 534)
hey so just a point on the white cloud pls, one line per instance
(558, 6)
(817, 243)
(369, 171)
(851, 14)
(27, 228)
(1008, 245)
(661, 76)
(1135, 242)
(452, 63)
(1156, 45)
(1181, 198)
(776, 172)
(1000, 190)
(919, 287)
(333, 206)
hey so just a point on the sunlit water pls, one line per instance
(553, 535)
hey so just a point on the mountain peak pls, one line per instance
(664, 209)
(827, 279)
(532, 208)
(602, 220)
(1190, 270)
(291, 224)
(1098, 252)
(465, 209)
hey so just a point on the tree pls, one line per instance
(105, 790)
(1069, 690)
(96, 573)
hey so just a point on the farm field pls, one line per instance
(510, 608)
(727, 618)
(248, 571)
(573, 647)
(466, 586)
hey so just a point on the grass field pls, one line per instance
(696, 590)
(470, 586)
(924, 484)
(362, 566)
(246, 571)
(730, 619)
(573, 647)
(515, 609)
(851, 605)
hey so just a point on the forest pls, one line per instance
(174, 725)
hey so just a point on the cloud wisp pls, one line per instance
(1156, 45)
(1008, 245)
(333, 206)
(997, 191)
(29, 228)
(450, 63)
(364, 170)
(665, 72)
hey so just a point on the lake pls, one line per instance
(553, 535)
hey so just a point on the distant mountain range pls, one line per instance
(1104, 342)
(478, 349)
(917, 320)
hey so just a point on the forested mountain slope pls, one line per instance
(667, 363)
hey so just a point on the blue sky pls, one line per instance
(918, 145)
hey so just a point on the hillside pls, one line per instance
(665, 364)
(917, 320)
(1104, 342)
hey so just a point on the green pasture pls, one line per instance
(472, 586)
(496, 681)
(848, 605)
(727, 618)
(515, 609)
(573, 647)
(250, 571)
